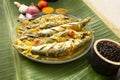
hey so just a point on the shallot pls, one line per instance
(32, 9)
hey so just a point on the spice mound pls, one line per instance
(52, 35)
(109, 50)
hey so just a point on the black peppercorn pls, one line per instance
(109, 50)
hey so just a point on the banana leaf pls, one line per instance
(13, 66)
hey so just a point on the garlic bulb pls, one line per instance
(23, 8)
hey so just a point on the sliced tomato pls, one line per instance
(71, 33)
(36, 41)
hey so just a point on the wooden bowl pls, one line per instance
(101, 63)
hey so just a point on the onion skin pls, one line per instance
(32, 9)
(29, 16)
(21, 16)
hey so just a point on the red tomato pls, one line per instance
(42, 3)
(71, 33)
(36, 41)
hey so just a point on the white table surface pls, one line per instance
(109, 9)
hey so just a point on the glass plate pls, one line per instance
(64, 59)
(13, 66)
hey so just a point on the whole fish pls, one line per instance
(47, 21)
(64, 36)
(59, 49)
(74, 25)
(60, 36)
(48, 32)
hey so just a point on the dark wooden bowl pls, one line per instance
(118, 75)
(100, 63)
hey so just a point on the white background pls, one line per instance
(110, 9)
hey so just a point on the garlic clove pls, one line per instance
(21, 16)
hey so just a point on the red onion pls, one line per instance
(32, 9)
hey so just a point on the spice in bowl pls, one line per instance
(48, 10)
(109, 50)
(61, 11)
(105, 57)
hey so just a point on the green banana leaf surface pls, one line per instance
(13, 66)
